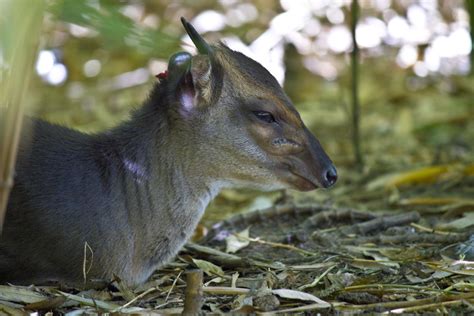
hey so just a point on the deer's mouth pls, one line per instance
(302, 183)
(298, 181)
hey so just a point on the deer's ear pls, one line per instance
(201, 71)
(195, 86)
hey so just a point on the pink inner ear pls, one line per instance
(187, 99)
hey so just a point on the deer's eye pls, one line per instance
(264, 116)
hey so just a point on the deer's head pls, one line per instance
(242, 128)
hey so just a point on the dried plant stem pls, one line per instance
(211, 251)
(427, 306)
(381, 288)
(25, 19)
(172, 286)
(136, 298)
(222, 290)
(406, 306)
(407, 238)
(278, 245)
(316, 281)
(85, 268)
(193, 298)
(432, 230)
(382, 223)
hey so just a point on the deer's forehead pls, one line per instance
(249, 79)
(286, 110)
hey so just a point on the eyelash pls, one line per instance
(266, 117)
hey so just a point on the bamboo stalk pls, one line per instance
(23, 19)
(193, 298)
(355, 86)
(470, 9)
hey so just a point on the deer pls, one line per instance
(88, 207)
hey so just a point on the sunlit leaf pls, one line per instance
(237, 241)
(415, 201)
(298, 295)
(115, 29)
(426, 175)
(373, 264)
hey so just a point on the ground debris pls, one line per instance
(358, 298)
(311, 257)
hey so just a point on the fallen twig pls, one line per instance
(247, 219)
(382, 223)
(173, 285)
(394, 307)
(278, 245)
(229, 260)
(408, 239)
(431, 230)
(222, 290)
(383, 287)
(210, 251)
(136, 298)
(316, 281)
(328, 218)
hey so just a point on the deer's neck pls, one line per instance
(162, 166)
(163, 189)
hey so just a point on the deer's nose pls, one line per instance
(330, 176)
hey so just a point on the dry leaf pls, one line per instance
(302, 296)
(100, 304)
(460, 223)
(372, 264)
(208, 267)
(11, 311)
(425, 175)
(235, 242)
(435, 201)
(20, 294)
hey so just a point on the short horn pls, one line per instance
(200, 43)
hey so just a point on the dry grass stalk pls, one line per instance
(172, 286)
(279, 245)
(414, 305)
(19, 52)
(224, 290)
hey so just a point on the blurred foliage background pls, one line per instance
(98, 60)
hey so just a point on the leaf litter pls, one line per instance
(297, 257)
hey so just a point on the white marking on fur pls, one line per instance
(137, 170)
(187, 100)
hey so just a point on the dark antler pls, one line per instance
(200, 43)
